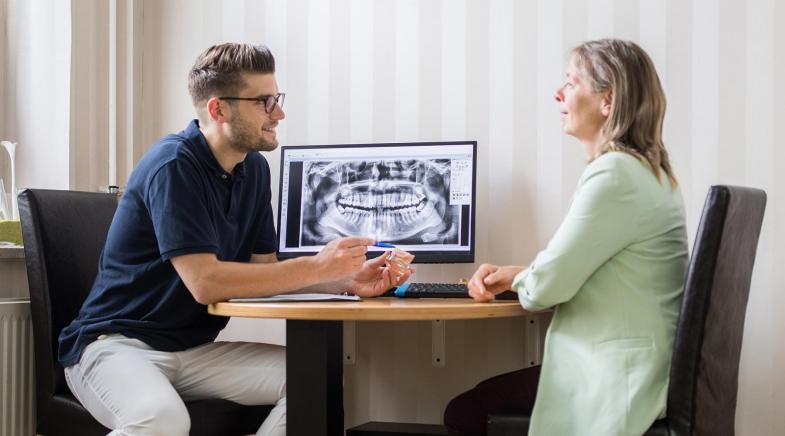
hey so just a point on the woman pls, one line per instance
(613, 271)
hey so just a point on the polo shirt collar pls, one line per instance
(202, 150)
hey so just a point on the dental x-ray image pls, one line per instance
(404, 202)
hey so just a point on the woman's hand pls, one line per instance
(374, 278)
(490, 280)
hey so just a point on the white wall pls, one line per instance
(384, 70)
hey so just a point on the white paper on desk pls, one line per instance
(297, 297)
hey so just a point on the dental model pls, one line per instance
(398, 261)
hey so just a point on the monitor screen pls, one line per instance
(419, 197)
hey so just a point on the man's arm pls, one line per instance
(211, 280)
(370, 281)
(324, 288)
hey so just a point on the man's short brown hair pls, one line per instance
(218, 71)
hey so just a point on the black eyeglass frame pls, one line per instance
(278, 99)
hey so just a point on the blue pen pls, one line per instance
(383, 245)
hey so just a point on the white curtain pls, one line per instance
(7, 96)
(35, 90)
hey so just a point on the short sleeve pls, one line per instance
(179, 212)
(266, 242)
(600, 222)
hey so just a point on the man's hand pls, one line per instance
(490, 280)
(374, 278)
(341, 258)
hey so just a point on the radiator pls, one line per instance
(17, 389)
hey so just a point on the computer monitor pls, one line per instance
(417, 196)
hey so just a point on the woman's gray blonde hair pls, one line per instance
(634, 124)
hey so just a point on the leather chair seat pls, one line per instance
(659, 428)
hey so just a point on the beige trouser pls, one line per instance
(135, 390)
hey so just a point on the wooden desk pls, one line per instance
(314, 346)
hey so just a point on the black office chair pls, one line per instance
(706, 350)
(64, 233)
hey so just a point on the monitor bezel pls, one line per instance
(431, 256)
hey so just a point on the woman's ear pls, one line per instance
(606, 104)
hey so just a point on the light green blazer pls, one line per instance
(614, 272)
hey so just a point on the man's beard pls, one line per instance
(244, 139)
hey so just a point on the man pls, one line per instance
(195, 226)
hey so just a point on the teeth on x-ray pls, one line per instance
(390, 200)
(388, 212)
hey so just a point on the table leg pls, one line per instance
(314, 373)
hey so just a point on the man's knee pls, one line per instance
(160, 419)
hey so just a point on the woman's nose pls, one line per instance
(558, 95)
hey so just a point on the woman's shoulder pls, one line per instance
(618, 167)
(619, 160)
(619, 174)
(615, 165)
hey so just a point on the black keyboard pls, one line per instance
(439, 290)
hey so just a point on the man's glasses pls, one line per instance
(268, 101)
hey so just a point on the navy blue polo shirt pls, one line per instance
(178, 201)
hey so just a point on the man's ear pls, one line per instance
(217, 110)
(606, 105)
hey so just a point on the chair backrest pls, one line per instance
(707, 346)
(64, 233)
